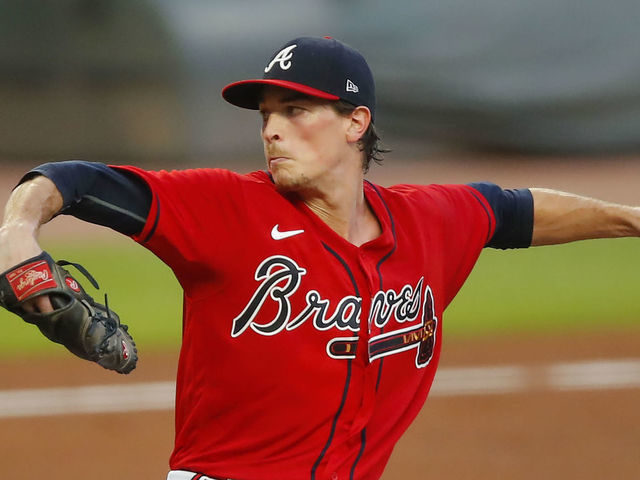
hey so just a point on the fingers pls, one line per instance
(44, 304)
(29, 306)
(40, 304)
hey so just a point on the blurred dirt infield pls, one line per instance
(589, 435)
(541, 434)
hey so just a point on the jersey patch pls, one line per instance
(422, 337)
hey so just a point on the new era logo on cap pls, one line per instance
(352, 87)
(316, 66)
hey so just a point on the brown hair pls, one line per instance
(370, 142)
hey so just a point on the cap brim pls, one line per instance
(248, 93)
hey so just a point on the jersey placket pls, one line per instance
(361, 264)
(358, 402)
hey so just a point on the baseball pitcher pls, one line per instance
(313, 298)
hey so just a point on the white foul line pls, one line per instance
(451, 381)
(595, 375)
(90, 399)
(462, 381)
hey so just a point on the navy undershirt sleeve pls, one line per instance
(99, 194)
(513, 211)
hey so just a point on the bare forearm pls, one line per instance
(30, 205)
(563, 217)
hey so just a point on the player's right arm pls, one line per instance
(90, 191)
(31, 205)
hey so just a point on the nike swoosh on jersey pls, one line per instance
(280, 235)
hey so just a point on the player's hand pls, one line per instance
(41, 304)
(88, 329)
(15, 247)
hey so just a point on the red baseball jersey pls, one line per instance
(304, 356)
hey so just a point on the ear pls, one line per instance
(359, 121)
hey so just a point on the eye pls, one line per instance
(293, 110)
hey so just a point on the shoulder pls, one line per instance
(433, 194)
(197, 178)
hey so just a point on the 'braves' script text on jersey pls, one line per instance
(280, 278)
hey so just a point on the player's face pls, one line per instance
(304, 139)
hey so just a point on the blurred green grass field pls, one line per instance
(584, 286)
(141, 289)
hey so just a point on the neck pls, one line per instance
(344, 208)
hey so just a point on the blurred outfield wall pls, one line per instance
(140, 80)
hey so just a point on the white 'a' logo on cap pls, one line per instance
(283, 57)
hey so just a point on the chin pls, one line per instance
(284, 187)
(285, 182)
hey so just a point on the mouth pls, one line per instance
(275, 160)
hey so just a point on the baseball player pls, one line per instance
(313, 299)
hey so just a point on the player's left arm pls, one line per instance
(560, 217)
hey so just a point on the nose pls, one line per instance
(271, 128)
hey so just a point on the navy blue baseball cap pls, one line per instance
(317, 66)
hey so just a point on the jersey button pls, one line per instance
(334, 476)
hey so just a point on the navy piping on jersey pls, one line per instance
(513, 215)
(363, 433)
(335, 421)
(155, 222)
(363, 442)
(382, 260)
(488, 215)
(345, 266)
(393, 232)
(348, 379)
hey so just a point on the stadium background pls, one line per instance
(520, 93)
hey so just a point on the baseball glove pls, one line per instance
(88, 329)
